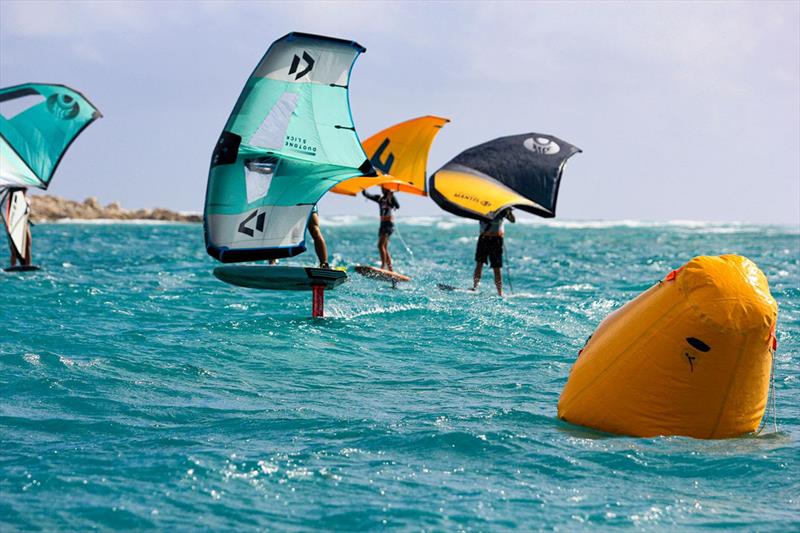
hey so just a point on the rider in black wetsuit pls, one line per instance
(387, 204)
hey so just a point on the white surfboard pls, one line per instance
(15, 211)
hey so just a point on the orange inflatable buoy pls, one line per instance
(690, 356)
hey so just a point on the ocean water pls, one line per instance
(137, 391)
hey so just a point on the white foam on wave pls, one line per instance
(446, 222)
(576, 287)
(66, 361)
(344, 220)
(32, 359)
(374, 310)
(430, 221)
(521, 295)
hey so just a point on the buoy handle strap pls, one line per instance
(773, 338)
(584, 345)
(674, 274)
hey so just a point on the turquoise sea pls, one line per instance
(137, 391)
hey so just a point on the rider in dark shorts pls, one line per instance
(386, 228)
(490, 249)
(387, 203)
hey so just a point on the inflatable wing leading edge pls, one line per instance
(690, 356)
(33, 140)
(289, 139)
(400, 155)
(522, 171)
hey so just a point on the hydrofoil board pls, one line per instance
(22, 268)
(280, 278)
(381, 274)
(450, 288)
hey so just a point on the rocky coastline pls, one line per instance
(47, 208)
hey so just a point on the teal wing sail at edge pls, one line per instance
(34, 140)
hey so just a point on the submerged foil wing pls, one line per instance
(400, 155)
(38, 122)
(522, 171)
(289, 139)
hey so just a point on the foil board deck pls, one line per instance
(380, 274)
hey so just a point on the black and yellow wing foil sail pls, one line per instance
(400, 155)
(522, 171)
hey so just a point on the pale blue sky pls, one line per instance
(684, 110)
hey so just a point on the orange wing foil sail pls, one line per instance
(400, 155)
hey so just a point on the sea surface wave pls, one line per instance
(140, 392)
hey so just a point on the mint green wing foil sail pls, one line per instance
(289, 139)
(38, 122)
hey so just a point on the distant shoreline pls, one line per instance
(47, 208)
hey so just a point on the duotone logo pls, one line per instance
(249, 231)
(541, 145)
(296, 64)
(383, 166)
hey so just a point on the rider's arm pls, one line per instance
(373, 197)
